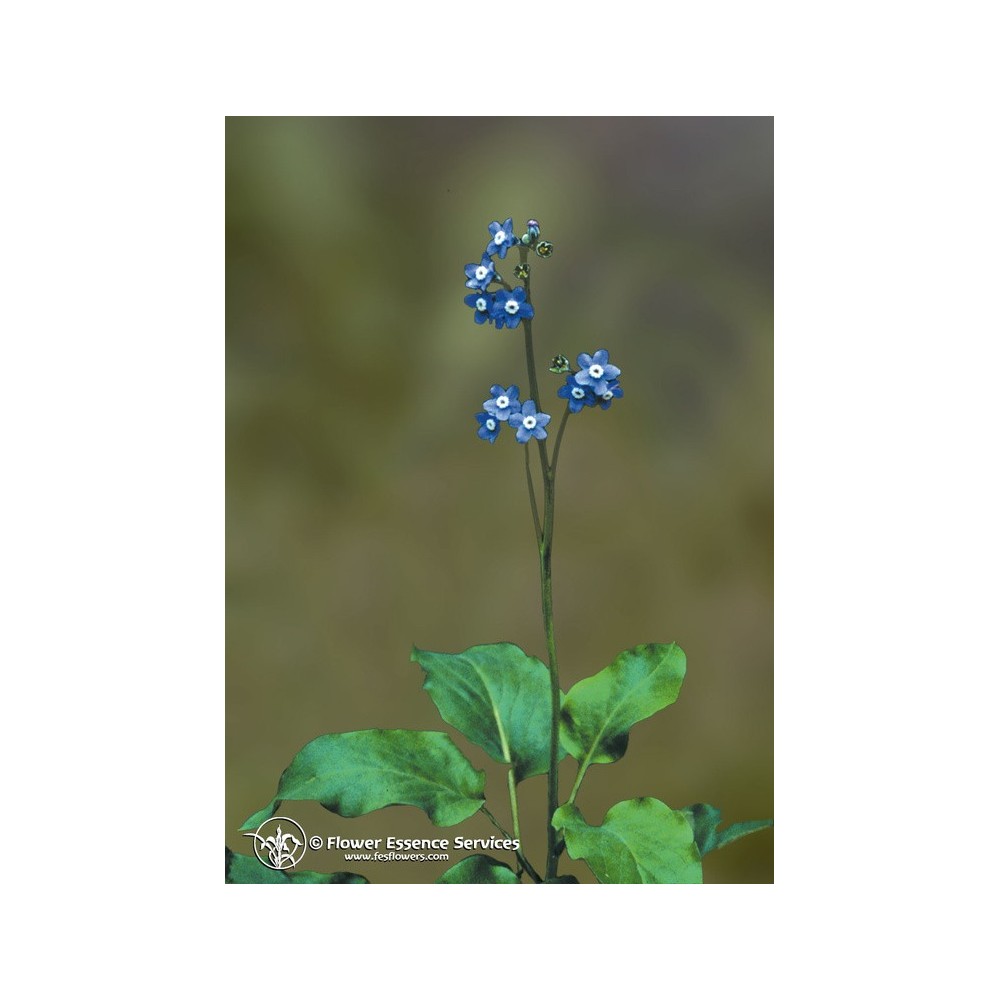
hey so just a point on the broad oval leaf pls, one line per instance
(599, 711)
(498, 696)
(242, 869)
(641, 840)
(705, 819)
(356, 773)
(479, 868)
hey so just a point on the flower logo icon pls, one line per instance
(279, 843)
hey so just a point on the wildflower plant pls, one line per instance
(505, 701)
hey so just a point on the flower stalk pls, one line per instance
(545, 570)
(595, 384)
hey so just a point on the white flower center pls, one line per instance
(481, 272)
(530, 422)
(608, 395)
(481, 304)
(502, 402)
(595, 371)
(500, 237)
(577, 393)
(491, 424)
(512, 306)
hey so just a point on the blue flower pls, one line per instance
(503, 403)
(509, 308)
(482, 302)
(579, 396)
(529, 423)
(481, 274)
(614, 391)
(596, 371)
(489, 427)
(502, 238)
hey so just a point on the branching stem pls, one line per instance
(555, 451)
(531, 495)
(532, 874)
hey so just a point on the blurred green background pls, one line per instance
(363, 513)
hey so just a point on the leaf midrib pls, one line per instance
(504, 744)
(494, 706)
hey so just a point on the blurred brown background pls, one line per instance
(364, 515)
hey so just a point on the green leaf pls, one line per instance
(704, 820)
(356, 773)
(498, 697)
(243, 869)
(562, 880)
(246, 870)
(641, 840)
(326, 878)
(479, 868)
(599, 711)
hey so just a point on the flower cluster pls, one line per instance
(505, 407)
(505, 308)
(595, 384)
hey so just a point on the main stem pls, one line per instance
(545, 561)
(545, 568)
